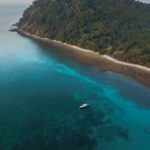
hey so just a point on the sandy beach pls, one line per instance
(102, 62)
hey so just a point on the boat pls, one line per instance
(13, 29)
(84, 106)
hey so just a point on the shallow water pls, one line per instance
(41, 91)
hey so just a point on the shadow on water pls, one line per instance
(113, 79)
(58, 54)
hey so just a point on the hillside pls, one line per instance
(119, 28)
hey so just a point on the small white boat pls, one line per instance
(13, 29)
(84, 106)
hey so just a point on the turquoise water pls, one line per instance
(41, 91)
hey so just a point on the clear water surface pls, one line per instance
(41, 91)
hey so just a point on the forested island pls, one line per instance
(118, 28)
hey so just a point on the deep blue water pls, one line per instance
(41, 90)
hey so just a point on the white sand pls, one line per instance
(90, 51)
(126, 64)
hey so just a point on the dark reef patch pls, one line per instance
(112, 132)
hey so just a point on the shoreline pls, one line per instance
(125, 63)
(102, 62)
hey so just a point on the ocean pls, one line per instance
(41, 90)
